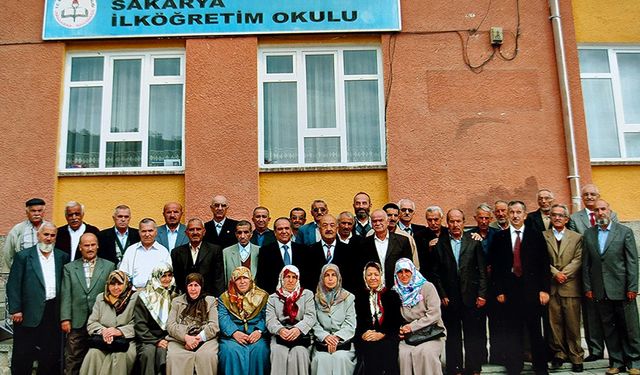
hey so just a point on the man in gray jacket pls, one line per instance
(24, 234)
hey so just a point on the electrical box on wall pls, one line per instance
(497, 36)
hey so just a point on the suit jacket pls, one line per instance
(422, 240)
(398, 248)
(416, 229)
(231, 259)
(464, 281)
(270, 263)
(25, 288)
(615, 272)
(341, 256)
(534, 220)
(580, 221)
(534, 260)
(566, 259)
(208, 264)
(307, 234)
(76, 300)
(63, 239)
(107, 243)
(269, 238)
(227, 236)
(163, 238)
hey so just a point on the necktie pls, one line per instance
(592, 218)
(287, 258)
(517, 264)
(329, 256)
(218, 228)
(408, 230)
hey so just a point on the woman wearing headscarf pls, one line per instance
(378, 322)
(335, 325)
(193, 331)
(420, 308)
(111, 324)
(150, 316)
(291, 314)
(242, 312)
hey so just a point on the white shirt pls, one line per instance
(381, 247)
(332, 247)
(194, 252)
(558, 235)
(139, 262)
(48, 265)
(172, 236)
(245, 251)
(514, 235)
(75, 239)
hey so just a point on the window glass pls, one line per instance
(322, 150)
(279, 64)
(629, 67)
(165, 125)
(280, 123)
(321, 92)
(632, 143)
(363, 121)
(360, 62)
(601, 118)
(124, 154)
(593, 61)
(125, 105)
(166, 67)
(83, 136)
(87, 69)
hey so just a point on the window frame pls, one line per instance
(614, 77)
(147, 79)
(298, 76)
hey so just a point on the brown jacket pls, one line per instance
(566, 259)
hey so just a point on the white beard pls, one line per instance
(45, 248)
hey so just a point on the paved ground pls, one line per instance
(590, 368)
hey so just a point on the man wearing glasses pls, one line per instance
(221, 229)
(309, 233)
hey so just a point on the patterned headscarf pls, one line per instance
(289, 298)
(410, 292)
(156, 298)
(118, 303)
(326, 298)
(375, 304)
(244, 306)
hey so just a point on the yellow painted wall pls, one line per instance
(282, 191)
(146, 195)
(607, 21)
(620, 186)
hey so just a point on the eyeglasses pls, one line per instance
(222, 205)
(407, 209)
(319, 209)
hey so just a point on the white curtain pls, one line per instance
(165, 124)
(280, 123)
(601, 118)
(125, 102)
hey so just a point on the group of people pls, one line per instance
(238, 297)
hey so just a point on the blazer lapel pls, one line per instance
(78, 270)
(612, 233)
(585, 219)
(98, 270)
(182, 236)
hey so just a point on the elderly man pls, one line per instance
(329, 250)
(427, 240)
(407, 210)
(500, 213)
(199, 256)
(298, 217)
(24, 234)
(221, 229)
(565, 252)
(262, 235)
(69, 235)
(346, 220)
(33, 295)
(310, 232)
(610, 278)
(540, 219)
(141, 258)
(459, 273)
(393, 214)
(520, 270)
(171, 234)
(244, 253)
(82, 281)
(115, 240)
(581, 221)
(361, 208)
(384, 247)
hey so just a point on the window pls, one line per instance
(321, 107)
(123, 111)
(611, 90)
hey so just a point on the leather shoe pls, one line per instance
(556, 363)
(634, 371)
(577, 367)
(592, 358)
(614, 370)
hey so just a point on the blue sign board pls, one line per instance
(88, 19)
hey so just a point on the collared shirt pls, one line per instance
(407, 228)
(139, 262)
(514, 235)
(75, 239)
(219, 225)
(347, 240)
(381, 247)
(603, 234)
(48, 265)
(260, 238)
(455, 246)
(194, 251)
(330, 247)
(558, 235)
(172, 236)
(245, 251)
(546, 220)
(88, 266)
(281, 247)
(29, 236)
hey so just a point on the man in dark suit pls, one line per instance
(82, 281)
(273, 257)
(610, 278)
(33, 294)
(221, 229)
(198, 256)
(172, 233)
(383, 247)
(427, 240)
(458, 271)
(262, 235)
(115, 240)
(540, 219)
(346, 221)
(407, 210)
(329, 250)
(520, 270)
(308, 234)
(68, 236)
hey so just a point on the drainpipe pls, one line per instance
(567, 112)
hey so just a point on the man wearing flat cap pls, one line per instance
(24, 234)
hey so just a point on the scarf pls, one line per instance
(410, 292)
(120, 302)
(197, 310)
(244, 306)
(375, 302)
(156, 298)
(327, 298)
(289, 299)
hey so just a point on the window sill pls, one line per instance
(118, 173)
(323, 168)
(596, 163)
